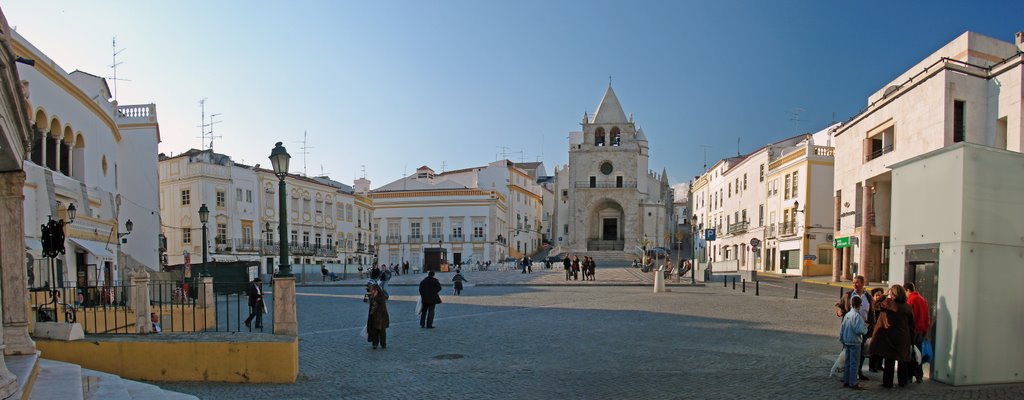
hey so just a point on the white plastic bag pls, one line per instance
(837, 368)
(364, 334)
(419, 308)
(917, 354)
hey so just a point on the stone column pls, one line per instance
(12, 261)
(14, 273)
(837, 264)
(207, 300)
(865, 238)
(285, 322)
(846, 263)
(139, 298)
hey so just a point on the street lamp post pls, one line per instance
(52, 235)
(204, 216)
(279, 158)
(693, 239)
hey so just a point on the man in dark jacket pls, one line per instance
(567, 263)
(430, 288)
(255, 293)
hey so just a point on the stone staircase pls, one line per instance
(46, 379)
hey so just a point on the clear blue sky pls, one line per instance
(395, 85)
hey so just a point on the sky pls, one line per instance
(388, 86)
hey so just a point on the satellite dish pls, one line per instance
(889, 90)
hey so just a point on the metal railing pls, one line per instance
(478, 238)
(787, 229)
(455, 238)
(878, 153)
(98, 308)
(738, 227)
(605, 185)
(769, 232)
(415, 238)
(394, 239)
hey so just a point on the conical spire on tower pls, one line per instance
(609, 111)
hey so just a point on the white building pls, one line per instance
(608, 199)
(89, 151)
(968, 91)
(476, 214)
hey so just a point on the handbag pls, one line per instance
(927, 352)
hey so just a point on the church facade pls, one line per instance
(607, 198)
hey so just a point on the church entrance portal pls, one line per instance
(610, 229)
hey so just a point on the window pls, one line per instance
(478, 231)
(305, 239)
(744, 219)
(565, 192)
(762, 173)
(186, 197)
(565, 229)
(744, 181)
(457, 229)
(295, 237)
(238, 194)
(959, 120)
(796, 183)
(760, 215)
(221, 198)
(247, 234)
(222, 234)
(618, 181)
(435, 229)
(330, 241)
(414, 229)
(270, 235)
(880, 143)
(824, 256)
(599, 137)
(348, 212)
(248, 196)
(785, 194)
(730, 190)
(593, 181)
(186, 235)
(317, 241)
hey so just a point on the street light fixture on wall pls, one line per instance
(279, 159)
(204, 216)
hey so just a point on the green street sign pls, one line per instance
(841, 242)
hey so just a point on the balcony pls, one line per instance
(436, 238)
(605, 185)
(456, 238)
(136, 113)
(738, 227)
(415, 238)
(361, 248)
(394, 239)
(769, 232)
(825, 151)
(787, 229)
(478, 238)
(244, 245)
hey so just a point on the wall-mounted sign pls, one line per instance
(709, 235)
(842, 242)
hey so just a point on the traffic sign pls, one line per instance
(842, 242)
(709, 235)
(755, 242)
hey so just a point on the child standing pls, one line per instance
(851, 335)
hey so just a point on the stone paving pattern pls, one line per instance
(520, 340)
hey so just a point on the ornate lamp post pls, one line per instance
(204, 216)
(279, 158)
(53, 246)
(694, 229)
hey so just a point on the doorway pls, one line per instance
(81, 270)
(457, 258)
(609, 229)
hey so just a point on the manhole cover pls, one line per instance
(448, 356)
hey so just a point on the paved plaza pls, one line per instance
(522, 336)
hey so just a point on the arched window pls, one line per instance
(65, 151)
(616, 136)
(51, 145)
(599, 137)
(38, 141)
(78, 159)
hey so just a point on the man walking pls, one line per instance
(430, 289)
(255, 293)
(567, 264)
(922, 321)
(844, 305)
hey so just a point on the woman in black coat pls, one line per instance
(892, 336)
(378, 320)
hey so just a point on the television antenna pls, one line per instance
(794, 115)
(706, 147)
(210, 124)
(202, 122)
(304, 150)
(114, 64)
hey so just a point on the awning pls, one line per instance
(33, 244)
(97, 249)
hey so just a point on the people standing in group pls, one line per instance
(922, 322)
(892, 336)
(377, 320)
(567, 264)
(852, 335)
(255, 293)
(458, 279)
(575, 268)
(875, 362)
(844, 305)
(430, 289)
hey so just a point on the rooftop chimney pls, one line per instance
(1020, 41)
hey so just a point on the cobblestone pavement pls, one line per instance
(528, 341)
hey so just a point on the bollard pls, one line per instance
(744, 285)
(796, 290)
(757, 288)
(734, 283)
(840, 292)
(725, 281)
